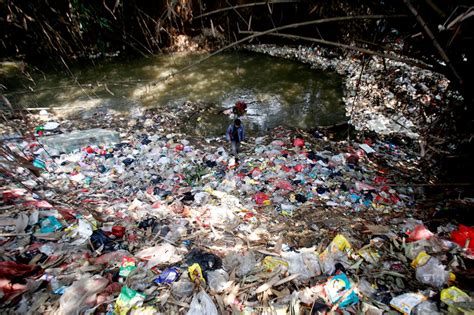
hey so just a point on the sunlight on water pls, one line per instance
(278, 92)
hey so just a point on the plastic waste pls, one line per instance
(336, 251)
(127, 300)
(168, 275)
(206, 261)
(425, 308)
(453, 295)
(164, 253)
(196, 274)
(202, 304)
(340, 290)
(242, 263)
(127, 266)
(429, 270)
(82, 233)
(271, 263)
(305, 263)
(218, 280)
(406, 302)
(183, 287)
(74, 298)
(419, 233)
(50, 225)
(262, 199)
(464, 237)
(298, 142)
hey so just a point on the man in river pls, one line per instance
(235, 134)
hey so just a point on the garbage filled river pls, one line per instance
(277, 91)
(116, 209)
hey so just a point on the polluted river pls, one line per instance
(277, 91)
(154, 214)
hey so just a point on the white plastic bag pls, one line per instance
(202, 304)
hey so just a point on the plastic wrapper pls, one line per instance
(127, 300)
(202, 304)
(453, 295)
(168, 275)
(406, 302)
(271, 263)
(340, 290)
(128, 264)
(218, 280)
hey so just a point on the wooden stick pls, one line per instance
(438, 47)
(245, 6)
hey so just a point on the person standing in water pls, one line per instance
(235, 134)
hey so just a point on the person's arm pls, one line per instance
(228, 133)
(243, 133)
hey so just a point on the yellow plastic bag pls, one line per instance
(339, 243)
(195, 272)
(271, 263)
(453, 295)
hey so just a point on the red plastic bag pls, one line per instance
(299, 167)
(11, 269)
(283, 184)
(179, 147)
(298, 142)
(261, 198)
(463, 234)
(419, 233)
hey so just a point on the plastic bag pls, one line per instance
(305, 263)
(461, 236)
(262, 199)
(420, 232)
(183, 287)
(298, 142)
(406, 302)
(339, 288)
(164, 253)
(218, 280)
(202, 304)
(336, 251)
(127, 300)
(453, 295)
(271, 263)
(74, 298)
(425, 308)
(429, 270)
(243, 263)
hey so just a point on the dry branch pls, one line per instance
(340, 45)
(240, 6)
(438, 47)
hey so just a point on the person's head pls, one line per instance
(237, 122)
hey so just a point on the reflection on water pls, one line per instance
(278, 92)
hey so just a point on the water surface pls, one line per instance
(278, 91)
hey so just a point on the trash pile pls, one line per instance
(160, 223)
(381, 95)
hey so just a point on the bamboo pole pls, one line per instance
(438, 47)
